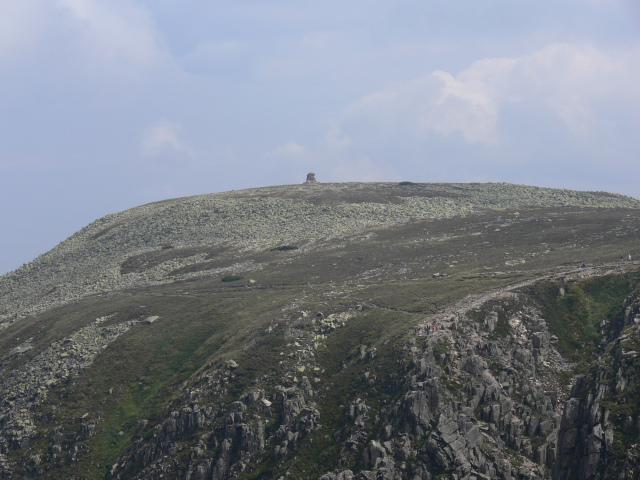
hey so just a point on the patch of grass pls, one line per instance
(451, 383)
(516, 458)
(440, 349)
(626, 403)
(565, 377)
(621, 444)
(104, 231)
(148, 260)
(231, 278)
(502, 325)
(575, 318)
(284, 248)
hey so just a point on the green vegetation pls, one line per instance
(439, 350)
(565, 377)
(231, 278)
(575, 317)
(284, 248)
(136, 376)
(625, 403)
(104, 231)
(502, 325)
(345, 368)
(496, 309)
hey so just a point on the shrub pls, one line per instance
(406, 183)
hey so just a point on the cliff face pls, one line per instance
(281, 333)
(601, 421)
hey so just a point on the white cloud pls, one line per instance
(573, 82)
(465, 104)
(162, 138)
(292, 151)
(104, 38)
(438, 102)
(568, 82)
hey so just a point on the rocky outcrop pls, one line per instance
(26, 387)
(225, 444)
(229, 439)
(472, 396)
(600, 426)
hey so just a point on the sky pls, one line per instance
(109, 104)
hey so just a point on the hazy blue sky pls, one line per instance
(108, 104)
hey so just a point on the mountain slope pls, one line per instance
(124, 355)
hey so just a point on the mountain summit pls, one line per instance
(331, 331)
